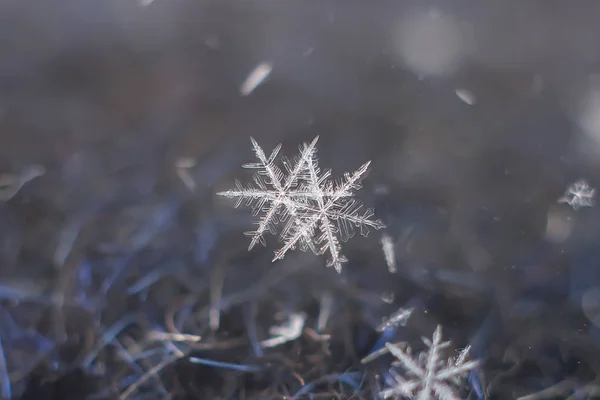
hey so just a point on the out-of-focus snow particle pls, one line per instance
(579, 194)
(397, 318)
(559, 225)
(382, 189)
(589, 117)
(145, 3)
(387, 245)
(387, 297)
(308, 51)
(466, 96)
(11, 184)
(537, 85)
(590, 305)
(287, 332)
(255, 78)
(325, 311)
(182, 166)
(431, 43)
(212, 41)
(185, 162)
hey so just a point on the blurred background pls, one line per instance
(121, 119)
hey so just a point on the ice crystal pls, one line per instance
(579, 194)
(316, 213)
(428, 376)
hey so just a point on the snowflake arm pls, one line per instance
(328, 238)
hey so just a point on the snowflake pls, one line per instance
(314, 210)
(579, 194)
(427, 375)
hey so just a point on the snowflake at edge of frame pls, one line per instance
(578, 194)
(427, 375)
(306, 201)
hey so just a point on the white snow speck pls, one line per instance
(466, 96)
(255, 78)
(290, 330)
(387, 245)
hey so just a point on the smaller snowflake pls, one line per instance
(579, 194)
(427, 376)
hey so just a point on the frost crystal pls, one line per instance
(428, 376)
(315, 211)
(579, 194)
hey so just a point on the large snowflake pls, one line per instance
(428, 376)
(316, 213)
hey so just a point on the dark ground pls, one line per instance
(109, 248)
